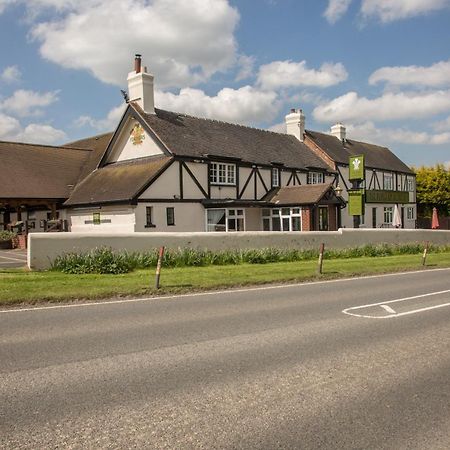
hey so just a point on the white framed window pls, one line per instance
(410, 184)
(223, 219)
(275, 177)
(410, 213)
(388, 214)
(316, 178)
(222, 173)
(282, 219)
(388, 184)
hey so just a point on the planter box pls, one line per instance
(20, 242)
(6, 245)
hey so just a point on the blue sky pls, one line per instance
(381, 67)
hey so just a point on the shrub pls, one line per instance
(7, 235)
(105, 260)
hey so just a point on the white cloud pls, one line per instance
(389, 106)
(245, 105)
(28, 103)
(182, 42)
(278, 127)
(289, 73)
(37, 133)
(368, 131)
(5, 3)
(391, 10)
(246, 67)
(443, 125)
(110, 122)
(11, 74)
(336, 9)
(436, 75)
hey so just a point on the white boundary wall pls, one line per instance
(43, 248)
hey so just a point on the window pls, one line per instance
(149, 217)
(410, 184)
(170, 214)
(96, 220)
(323, 218)
(388, 212)
(281, 219)
(316, 178)
(275, 177)
(410, 213)
(221, 173)
(225, 220)
(388, 184)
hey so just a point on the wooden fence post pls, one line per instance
(322, 249)
(158, 266)
(425, 251)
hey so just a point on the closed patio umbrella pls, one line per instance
(434, 220)
(396, 218)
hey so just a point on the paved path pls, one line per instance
(328, 365)
(13, 258)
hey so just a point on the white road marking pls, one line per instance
(203, 294)
(385, 306)
(13, 259)
(388, 309)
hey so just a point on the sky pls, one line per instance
(380, 67)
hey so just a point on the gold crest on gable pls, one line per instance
(137, 135)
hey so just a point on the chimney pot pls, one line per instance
(137, 63)
(140, 87)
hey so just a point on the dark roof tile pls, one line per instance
(192, 136)
(376, 157)
(39, 171)
(117, 182)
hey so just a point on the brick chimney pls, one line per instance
(339, 131)
(295, 124)
(140, 87)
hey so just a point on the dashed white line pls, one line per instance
(392, 313)
(388, 309)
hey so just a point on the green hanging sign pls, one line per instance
(356, 168)
(356, 202)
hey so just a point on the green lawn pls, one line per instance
(20, 286)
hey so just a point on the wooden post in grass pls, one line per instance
(425, 251)
(158, 266)
(322, 249)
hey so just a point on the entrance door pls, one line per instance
(403, 217)
(374, 217)
(323, 218)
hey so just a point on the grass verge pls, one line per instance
(20, 286)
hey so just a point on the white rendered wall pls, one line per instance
(188, 217)
(43, 248)
(124, 149)
(113, 220)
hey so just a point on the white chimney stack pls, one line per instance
(295, 124)
(338, 131)
(140, 87)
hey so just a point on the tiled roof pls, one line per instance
(376, 157)
(39, 171)
(192, 136)
(97, 145)
(117, 182)
(305, 194)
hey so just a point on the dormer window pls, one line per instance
(222, 173)
(275, 177)
(316, 178)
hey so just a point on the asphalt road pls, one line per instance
(13, 258)
(304, 366)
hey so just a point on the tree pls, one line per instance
(433, 189)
